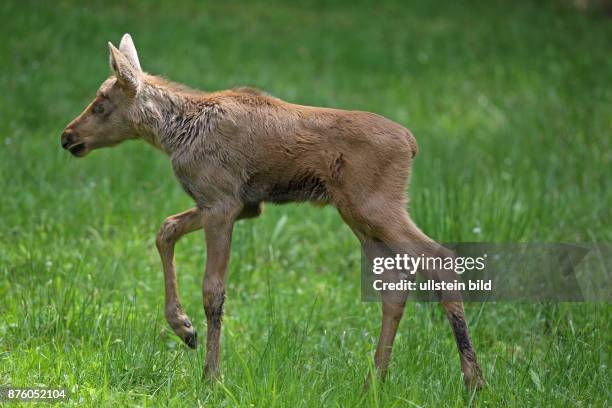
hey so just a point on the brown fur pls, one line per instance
(236, 149)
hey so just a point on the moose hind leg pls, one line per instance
(450, 301)
(472, 374)
(371, 226)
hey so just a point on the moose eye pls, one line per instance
(98, 109)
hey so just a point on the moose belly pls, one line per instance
(297, 188)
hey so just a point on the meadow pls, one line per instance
(511, 105)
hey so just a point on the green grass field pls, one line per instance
(511, 104)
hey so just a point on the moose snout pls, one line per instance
(69, 137)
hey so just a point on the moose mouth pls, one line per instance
(77, 149)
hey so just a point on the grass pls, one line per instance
(510, 103)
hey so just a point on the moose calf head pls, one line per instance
(109, 118)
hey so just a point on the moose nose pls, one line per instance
(69, 136)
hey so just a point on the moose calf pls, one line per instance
(235, 149)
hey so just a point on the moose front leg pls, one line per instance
(172, 230)
(218, 228)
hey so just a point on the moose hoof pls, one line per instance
(182, 327)
(191, 340)
(474, 385)
(212, 374)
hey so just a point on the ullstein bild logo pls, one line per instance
(486, 272)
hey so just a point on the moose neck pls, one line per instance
(170, 118)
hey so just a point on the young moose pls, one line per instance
(235, 149)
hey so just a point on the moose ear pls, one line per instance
(126, 46)
(127, 75)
